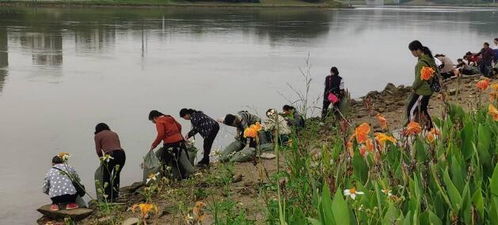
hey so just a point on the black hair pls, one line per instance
(417, 45)
(154, 113)
(101, 127)
(439, 55)
(486, 43)
(334, 70)
(460, 59)
(229, 119)
(468, 53)
(496, 39)
(57, 160)
(184, 112)
(288, 108)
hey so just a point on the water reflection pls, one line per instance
(46, 48)
(4, 56)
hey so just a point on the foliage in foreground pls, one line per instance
(446, 176)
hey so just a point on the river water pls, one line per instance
(64, 70)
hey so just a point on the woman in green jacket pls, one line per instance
(422, 91)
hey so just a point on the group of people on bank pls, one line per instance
(62, 182)
(60, 185)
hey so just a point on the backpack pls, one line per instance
(434, 83)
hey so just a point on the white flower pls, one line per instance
(352, 193)
(387, 192)
(152, 176)
(106, 158)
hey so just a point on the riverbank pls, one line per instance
(169, 3)
(240, 193)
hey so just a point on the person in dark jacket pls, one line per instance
(174, 153)
(422, 91)
(204, 125)
(334, 84)
(107, 143)
(486, 61)
(293, 118)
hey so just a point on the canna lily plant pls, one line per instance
(144, 210)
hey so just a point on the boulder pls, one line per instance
(390, 89)
(74, 214)
(131, 221)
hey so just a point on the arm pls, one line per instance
(159, 137)
(46, 185)
(417, 82)
(192, 133)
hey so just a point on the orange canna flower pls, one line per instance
(382, 121)
(492, 111)
(413, 128)
(257, 126)
(370, 146)
(426, 73)
(144, 208)
(382, 138)
(363, 150)
(198, 211)
(250, 132)
(361, 133)
(494, 86)
(483, 84)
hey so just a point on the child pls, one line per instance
(58, 185)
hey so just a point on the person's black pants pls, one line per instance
(417, 107)
(486, 68)
(208, 143)
(326, 104)
(64, 199)
(112, 170)
(171, 157)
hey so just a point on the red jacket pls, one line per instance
(168, 130)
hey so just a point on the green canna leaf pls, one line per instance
(340, 209)
(453, 193)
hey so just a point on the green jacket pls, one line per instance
(421, 87)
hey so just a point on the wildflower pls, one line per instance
(492, 111)
(483, 84)
(198, 211)
(382, 138)
(64, 156)
(352, 193)
(144, 209)
(413, 128)
(188, 218)
(493, 96)
(431, 136)
(426, 73)
(250, 133)
(387, 192)
(152, 177)
(361, 133)
(494, 86)
(106, 158)
(382, 121)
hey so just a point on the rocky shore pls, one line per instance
(237, 187)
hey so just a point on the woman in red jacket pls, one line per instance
(170, 133)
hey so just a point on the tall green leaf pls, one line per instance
(340, 209)
(453, 193)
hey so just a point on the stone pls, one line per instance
(131, 221)
(74, 214)
(390, 88)
(452, 91)
(267, 155)
(237, 178)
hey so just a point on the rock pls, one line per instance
(267, 155)
(135, 186)
(237, 178)
(452, 91)
(74, 214)
(131, 221)
(390, 88)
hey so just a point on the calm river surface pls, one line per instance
(64, 70)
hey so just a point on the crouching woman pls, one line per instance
(58, 184)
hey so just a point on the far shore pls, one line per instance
(168, 4)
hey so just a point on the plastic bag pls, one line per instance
(99, 181)
(151, 165)
(244, 155)
(192, 152)
(233, 147)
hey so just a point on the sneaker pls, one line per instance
(72, 206)
(54, 207)
(203, 163)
